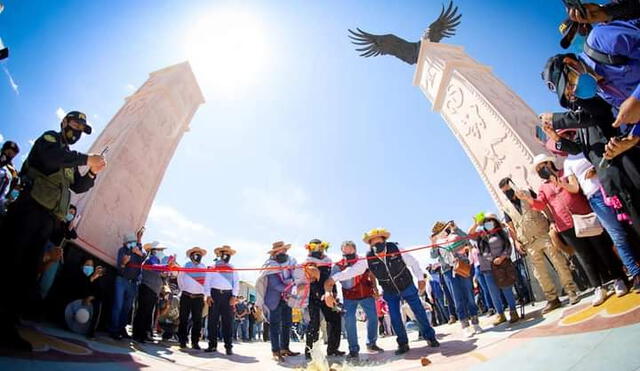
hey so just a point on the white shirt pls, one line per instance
(216, 280)
(188, 283)
(361, 266)
(578, 165)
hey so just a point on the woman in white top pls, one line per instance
(581, 175)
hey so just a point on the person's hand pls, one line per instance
(616, 146)
(590, 173)
(139, 234)
(233, 301)
(311, 272)
(545, 118)
(56, 253)
(522, 195)
(547, 127)
(136, 250)
(209, 301)
(520, 250)
(595, 14)
(328, 284)
(499, 260)
(629, 112)
(126, 259)
(99, 168)
(376, 293)
(563, 182)
(97, 273)
(95, 161)
(422, 286)
(329, 300)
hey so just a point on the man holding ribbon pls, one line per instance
(192, 298)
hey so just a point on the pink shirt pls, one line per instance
(562, 204)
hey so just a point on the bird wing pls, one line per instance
(373, 45)
(445, 25)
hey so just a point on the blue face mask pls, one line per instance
(87, 270)
(577, 45)
(14, 194)
(586, 87)
(489, 226)
(69, 217)
(131, 245)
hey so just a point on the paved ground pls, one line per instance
(573, 338)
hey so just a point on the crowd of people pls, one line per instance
(584, 220)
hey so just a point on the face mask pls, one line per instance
(510, 193)
(226, 257)
(489, 226)
(14, 194)
(577, 45)
(69, 217)
(154, 252)
(72, 135)
(379, 247)
(586, 87)
(281, 258)
(131, 245)
(317, 254)
(544, 173)
(196, 258)
(87, 270)
(350, 257)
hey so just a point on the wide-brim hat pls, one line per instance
(438, 227)
(155, 245)
(278, 246)
(224, 248)
(376, 232)
(196, 249)
(543, 157)
(71, 319)
(490, 215)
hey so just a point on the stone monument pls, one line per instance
(495, 127)
(140, 141)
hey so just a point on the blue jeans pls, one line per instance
(410, 295)
(124, 293)
(280, 327)
(369, 307)
(486, 294)
(462, 292)
(495, 293)
(616, 230)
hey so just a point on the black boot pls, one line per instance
(210, 348)
(402, 349)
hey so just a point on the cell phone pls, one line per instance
(541, 135)
(577, 4)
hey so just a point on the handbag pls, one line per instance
(586, 225)
(462, 268)
(504, 274)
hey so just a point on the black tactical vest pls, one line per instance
(391, 271)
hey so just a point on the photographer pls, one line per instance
(596, 13)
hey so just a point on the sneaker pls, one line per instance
(402, 349)
(574, 298)
(500, 318)
(599, 296)
(551, 305)
(229, 352)
(433, 343)
(374, 348)
(183, 345)
(491, 312)
(353, 356)
(620, 288)
(513, 316)
(288, 353)
(452, 320)
(211, 348)
(195, 346)
(636, 284)
(277, 356)
(476, 329)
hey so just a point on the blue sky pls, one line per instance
(314, 142)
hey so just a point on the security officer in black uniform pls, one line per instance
(49, 173)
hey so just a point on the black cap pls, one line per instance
(315, 240)
(569, 29)
(11, 145)
(554, 75)
(81, 118)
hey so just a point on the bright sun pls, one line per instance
(227, 50)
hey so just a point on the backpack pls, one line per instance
(257, 314)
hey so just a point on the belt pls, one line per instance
(221, 291)
(190, 295)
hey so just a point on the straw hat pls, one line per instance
(543, 157)
(376, 232)
(155, 245)
(438, 227)
(278, 246)
(196, 249)
(224, 248)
